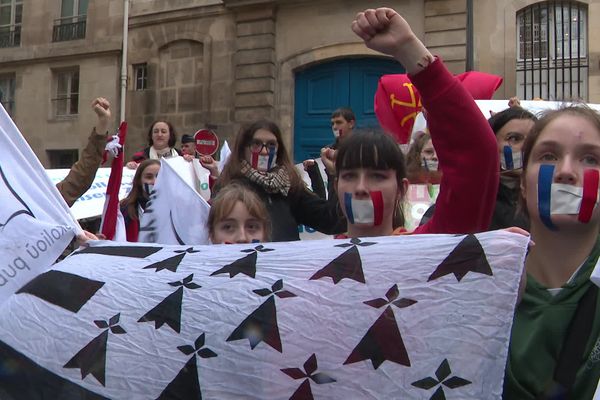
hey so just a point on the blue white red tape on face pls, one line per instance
(511, 159)
(430, 165)
(262, 162)
(563, 199)
(368, 211)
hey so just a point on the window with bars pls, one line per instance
(72, 22)
(66, 100)
(11, 16)
(140, 72)
(552, 59)
(7, 92)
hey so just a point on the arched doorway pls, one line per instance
(327, 86)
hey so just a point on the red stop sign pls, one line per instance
(207, 142)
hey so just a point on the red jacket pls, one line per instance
(467, 152)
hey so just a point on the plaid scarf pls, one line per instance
(276, 180)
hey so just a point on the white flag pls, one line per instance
(35, 223)
(411, 317)
(175, 213)
(224, 155)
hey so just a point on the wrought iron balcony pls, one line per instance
(69, 28)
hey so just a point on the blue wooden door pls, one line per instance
(325, 87)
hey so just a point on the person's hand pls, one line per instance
(328, 157)
(132, 165)
(84, 237)
(384, 30)
(514, 102)
(101, 107)
(520, 231)
(308, 163)
(210, 164)
(188, 157)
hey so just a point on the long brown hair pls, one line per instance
(137, 189)
(233, 167)
(413, 157)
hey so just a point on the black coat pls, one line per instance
(506, 214)
(300, 207)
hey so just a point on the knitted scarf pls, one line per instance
(167, 153)
(276, 180)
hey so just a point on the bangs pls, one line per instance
(369, 150)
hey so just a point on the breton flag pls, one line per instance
(35, 222)
(113, 223)
(328, 319)
(175, 213)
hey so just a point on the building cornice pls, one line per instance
(166, 16)
(55, 52)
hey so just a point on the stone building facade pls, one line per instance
(223, 63)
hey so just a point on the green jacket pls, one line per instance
(538, 332)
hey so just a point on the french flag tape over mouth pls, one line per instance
(263, 162)
(563, 199)
(511, 159)
(368, 211)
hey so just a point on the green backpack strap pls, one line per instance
(573, 348)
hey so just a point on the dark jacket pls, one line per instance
(300, 207)
(506, 213)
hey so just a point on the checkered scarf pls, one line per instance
(277, 180)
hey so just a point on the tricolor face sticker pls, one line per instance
(510, 159)
(565, 199)
(262, 150)
(510, 139)
(429, 160)
(368, 196)
(340, 126)
(149, 177)
(561, 181)
(368, 211)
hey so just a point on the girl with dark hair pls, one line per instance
(161, 143)
(511, 127)
(259, 159)
(133, 206)
(555, 338)
(371, 175)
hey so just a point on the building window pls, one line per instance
(62, 158)
(552, 56)
(11, 16)
(140, 72)
(66, 101)
(7, 93)
(72, 22)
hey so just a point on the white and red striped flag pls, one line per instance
(113, 225)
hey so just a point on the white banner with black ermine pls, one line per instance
(175, 213)
(423, 316)
(35, 223)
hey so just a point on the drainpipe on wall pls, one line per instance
(124, 59)
(470, 64)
